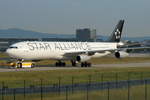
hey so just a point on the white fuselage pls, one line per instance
(38, 50)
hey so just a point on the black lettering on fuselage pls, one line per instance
(31, 46)
(79, 46)
(57, 47)
(68, 45)
(75, 44)
(36, 46)
(88, 47)
(84, 46)
(47, 46)
(65, 46)
(41, 46)
(60, 46)
(72, 45)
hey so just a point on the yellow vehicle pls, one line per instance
(22, 64)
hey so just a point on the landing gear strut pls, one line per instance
(19, 63)
(59, 63)
(73, 63)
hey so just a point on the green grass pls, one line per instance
(3, 55)
(136, 93)
(113, 60)
(16, 79)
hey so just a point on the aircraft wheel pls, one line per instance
(82, 64)
(89, 64)
(60, 64)
(63, 64)
(73, 63)
(56, 64)
(33, 65)
(85, 64)
(19, 65)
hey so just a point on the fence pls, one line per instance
(131, 89)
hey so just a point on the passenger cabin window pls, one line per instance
(13, 47)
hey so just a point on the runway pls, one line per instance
(46, 67)
(141, 64)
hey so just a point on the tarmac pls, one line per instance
(46, 67)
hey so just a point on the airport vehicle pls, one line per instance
(76, 52)
(22, 64)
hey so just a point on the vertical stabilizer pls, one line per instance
(116, 34)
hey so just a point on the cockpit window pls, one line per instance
(13, 47)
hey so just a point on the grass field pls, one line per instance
(3, 55)
(136, 93)
(16, 79)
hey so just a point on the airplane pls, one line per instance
(76, 52)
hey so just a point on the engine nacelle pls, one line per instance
(121, 54)
(82, 58)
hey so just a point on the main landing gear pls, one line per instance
(73, 63)
(85, 64)
(59, 63)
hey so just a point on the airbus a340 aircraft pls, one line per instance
(76, 52)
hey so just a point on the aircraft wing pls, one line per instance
(88, 52)
(92, 52)
(134, 48)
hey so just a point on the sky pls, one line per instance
(65, 16)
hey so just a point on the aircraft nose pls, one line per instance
(9, 52)
(12, 53)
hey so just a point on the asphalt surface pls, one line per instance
(142, 64)
(46, 67)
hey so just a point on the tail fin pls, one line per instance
(116, 34)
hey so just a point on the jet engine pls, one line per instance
(121, 54)
(82, 58)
